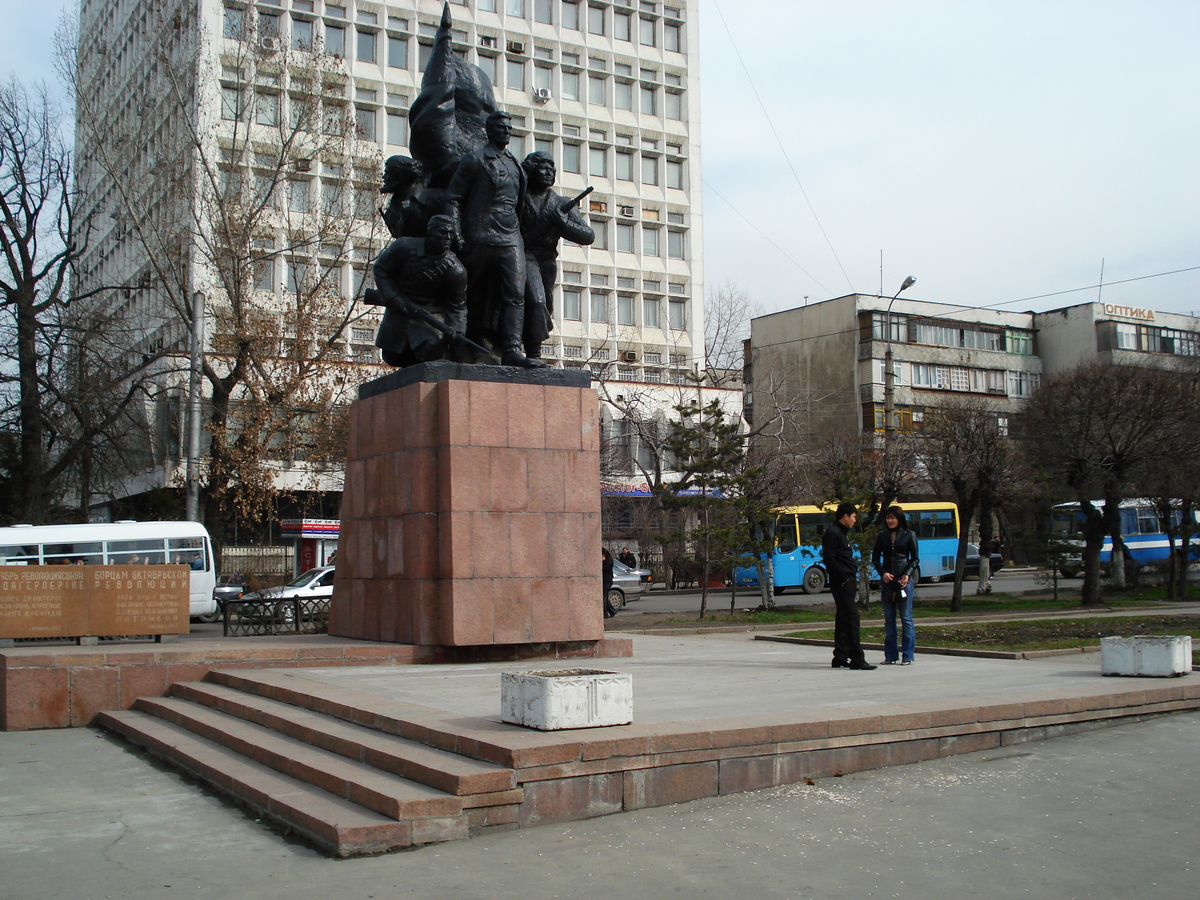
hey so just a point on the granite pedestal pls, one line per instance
(471, 513)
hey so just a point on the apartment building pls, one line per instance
(610, 88)
(828, 360)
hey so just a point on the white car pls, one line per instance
(314, 584)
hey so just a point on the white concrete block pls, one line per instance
(566, 698)
(1154, 655)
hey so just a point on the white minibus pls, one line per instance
(120, 544)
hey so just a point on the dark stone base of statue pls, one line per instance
(471, 514)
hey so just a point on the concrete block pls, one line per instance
(566, 698)
(1150, 655)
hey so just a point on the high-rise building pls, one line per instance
(206, 126)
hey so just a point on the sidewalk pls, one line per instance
(81, 815)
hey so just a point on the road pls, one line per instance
(1015, 582)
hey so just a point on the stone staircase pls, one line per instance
(344, 778)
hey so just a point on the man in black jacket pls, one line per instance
(843, 582)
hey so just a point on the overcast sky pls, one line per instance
(994, 150)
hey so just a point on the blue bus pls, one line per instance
(1141, 530)
(799, 530)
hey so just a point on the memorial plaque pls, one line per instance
(93, 601)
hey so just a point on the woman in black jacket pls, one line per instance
(896, 560)
(606, 571)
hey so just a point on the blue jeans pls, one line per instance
(904, 607)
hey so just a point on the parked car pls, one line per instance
(274, 602)
(628, 584)
(229, 587)
(971, 566)
(314, 584)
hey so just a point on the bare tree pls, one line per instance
(212, 187)
(66, 380)
(966, 453)
(1096, 430)
(727, 314)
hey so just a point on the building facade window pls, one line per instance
(599, 307)
(366, 46)
(572, 305)
(650, 312)
(335, 40)
(678, 315)
(675, 245)
(397, 52)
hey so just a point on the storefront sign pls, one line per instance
(1129, 312)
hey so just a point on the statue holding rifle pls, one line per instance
(547, 218)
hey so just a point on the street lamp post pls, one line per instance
(192, 511)
(889, 375)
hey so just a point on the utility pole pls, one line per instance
(889, 374)
(192, 512)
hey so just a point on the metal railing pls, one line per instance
(296, 615)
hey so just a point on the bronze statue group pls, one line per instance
(469, 276)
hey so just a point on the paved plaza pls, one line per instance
(1112, 812)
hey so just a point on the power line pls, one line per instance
(1090, 287)
(766, 237)
(782, 149)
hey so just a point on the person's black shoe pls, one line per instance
(839, 664)
(863, 666)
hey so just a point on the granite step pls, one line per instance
(333, 823)
(386, 794)
(484, 783)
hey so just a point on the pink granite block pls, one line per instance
(468, 613)
(424, 404)
(423, 481)
(454, 412)
(142, 681)
(586, 608)
(551, 609)
(354, 495)
(670, 784)
(429, 616)
(489, 414)
(509, 480)
(380, 542)
(421, 546)
(793, 732)
(466, 473)
(455, 547)
(582, 483)
(968, 743)
(394, 561)
(903, 753)
(355, 623)
(570, 799)
(563, 429)
(527, 416)
(547, 481)
(492, 552)
(382, 426)
(363, 428)
(748, 774)
(589, 408)
(512, 611)
(93, 689)
(531, 543)
(401, 495)
(950, 715)
(850, 723)
(1049, 706)
(995, 712)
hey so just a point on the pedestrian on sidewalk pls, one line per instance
(843, 582)
(609, 609)
(896, 560)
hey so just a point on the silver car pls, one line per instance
(627, 584)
